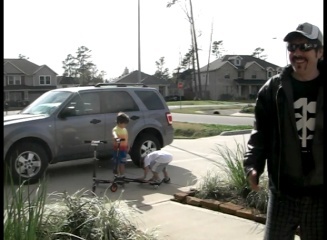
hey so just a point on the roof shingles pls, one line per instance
(244, 62)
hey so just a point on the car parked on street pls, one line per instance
(55, 126)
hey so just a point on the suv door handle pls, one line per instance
(95, 121)
(134, 117)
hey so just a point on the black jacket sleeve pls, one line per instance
(255, 156)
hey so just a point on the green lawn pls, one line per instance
(199, 130)
(207, 102)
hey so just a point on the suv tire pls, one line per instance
(143, 145)
(27, 161)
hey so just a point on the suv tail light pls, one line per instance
(169, 118)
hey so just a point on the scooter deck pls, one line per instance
(128, 180)
(95, 180)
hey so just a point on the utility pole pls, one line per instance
(139, 43)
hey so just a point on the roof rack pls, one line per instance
(120, 84)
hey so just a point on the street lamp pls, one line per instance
(139, 44)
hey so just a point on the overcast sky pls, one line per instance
(47, 31)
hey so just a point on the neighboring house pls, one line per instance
(25, 81)
(64, 82)
(160, 84)
(238, 76)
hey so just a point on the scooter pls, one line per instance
(121, 181)
(117, 180)
(96, 181)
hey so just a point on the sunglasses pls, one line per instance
(304, 47)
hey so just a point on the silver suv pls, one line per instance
(55, 126)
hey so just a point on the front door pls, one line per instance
(87, 123)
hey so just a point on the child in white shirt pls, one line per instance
(156, 162)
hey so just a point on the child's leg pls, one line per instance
(122, 169)
(164, 170)
(155, 176)
(122, 161)
(116, 163)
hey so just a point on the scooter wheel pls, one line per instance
(113, 187)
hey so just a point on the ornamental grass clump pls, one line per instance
(229, 183)
(213, 185)
(259, 200)
(232, 165)
(31, 214)
(95, 218)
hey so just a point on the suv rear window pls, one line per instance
(150, 99)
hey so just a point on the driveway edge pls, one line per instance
(236, 132)
(223, 207)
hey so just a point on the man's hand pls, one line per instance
(252, 178)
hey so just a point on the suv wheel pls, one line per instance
(142, 146)
(27, 162)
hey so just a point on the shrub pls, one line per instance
(259, 200)
(247, 109)
(65, 217)
(229, 182)
(212, 185)
(226, 97)
(232, 165)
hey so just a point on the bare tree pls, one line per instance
(207, 73)
(188, 63)
(258, 53)
(21, 56)
(190, 18)
(217, 48)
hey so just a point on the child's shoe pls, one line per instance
(156, 182)
(166, 180)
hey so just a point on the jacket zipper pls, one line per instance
(280, 141)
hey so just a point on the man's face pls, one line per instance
(303, 62)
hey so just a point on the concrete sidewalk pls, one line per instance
(176, 221)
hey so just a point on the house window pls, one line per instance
(270, 74)
(45, 80)
(227, 75)
(14, 80)
(237, 62)
(254, 76)
(239, 74)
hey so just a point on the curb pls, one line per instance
(229, 133)
(223, 207)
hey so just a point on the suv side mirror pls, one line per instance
(67, 112)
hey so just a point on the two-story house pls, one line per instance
(160, 84)
(25, 81)
(239, 76)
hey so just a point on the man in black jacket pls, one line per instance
(288, 134)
